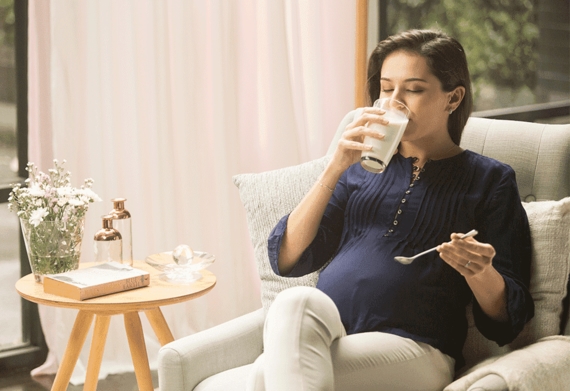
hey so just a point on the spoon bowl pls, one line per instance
(408, 260)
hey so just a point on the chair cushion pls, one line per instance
(267, 197)
(550, 232)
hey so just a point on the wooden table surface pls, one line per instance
(158, 293)
(128, 303)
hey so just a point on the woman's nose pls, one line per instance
(398, 95)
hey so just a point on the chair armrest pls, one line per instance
(184, 363)
(489, 382)
(540, 366)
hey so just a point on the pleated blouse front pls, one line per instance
(372, 218)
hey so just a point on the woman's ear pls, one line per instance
(455, 98)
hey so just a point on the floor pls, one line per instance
(20, 380)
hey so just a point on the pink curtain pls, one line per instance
(162, 102)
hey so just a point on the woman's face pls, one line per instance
(405, 76)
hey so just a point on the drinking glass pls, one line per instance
(397, 113)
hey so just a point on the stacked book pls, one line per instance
(99, 280)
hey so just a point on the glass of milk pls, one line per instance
(382, 151)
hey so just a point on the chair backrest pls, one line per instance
(539, 154)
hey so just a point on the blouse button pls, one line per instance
(395, 222)
(390, 230)
(411, 185)
(403, 200)
(399, 211)
(408, 191)
(418, 178)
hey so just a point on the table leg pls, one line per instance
(75, 343)
(159, 325)
(139, 355)
(96, 352)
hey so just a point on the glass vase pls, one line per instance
(53, 246)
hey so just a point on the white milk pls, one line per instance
(382, 151)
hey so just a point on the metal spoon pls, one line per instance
(408, 260)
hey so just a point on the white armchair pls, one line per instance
(219, 359)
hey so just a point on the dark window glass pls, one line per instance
(8, 147)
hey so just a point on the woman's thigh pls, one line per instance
(386, 362)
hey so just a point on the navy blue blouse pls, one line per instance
(371, 218)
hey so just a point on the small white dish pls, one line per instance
(180, 274)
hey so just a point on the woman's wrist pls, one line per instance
(330, 175)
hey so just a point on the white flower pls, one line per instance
(90, 194)
(75, 202)
(38, 216)
(64, 191)
(36, 191)
(51, 195)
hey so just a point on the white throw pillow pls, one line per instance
(550, 233)
(267, 197)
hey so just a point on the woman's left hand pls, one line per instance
(468, 256)
(474, 260)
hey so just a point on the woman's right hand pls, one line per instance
(305, 219)
(350, 145)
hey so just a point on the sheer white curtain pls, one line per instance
(161, 102)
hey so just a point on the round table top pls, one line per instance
(158, 293)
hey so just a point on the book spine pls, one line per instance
(115, 286)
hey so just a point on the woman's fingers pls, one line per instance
(358, 133)
(472, 245)
(351, 145)
(370, 116)
(356, 145)
(467, 256)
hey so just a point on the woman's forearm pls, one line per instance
(304, 221)
(490, 291)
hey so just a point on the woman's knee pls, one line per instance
(307, 307)
(300, 298)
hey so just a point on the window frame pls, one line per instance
(33, 350)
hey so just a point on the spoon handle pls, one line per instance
(469, 234)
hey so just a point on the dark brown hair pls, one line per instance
(446, 59)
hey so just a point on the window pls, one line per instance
(518, 50)
(21, 340)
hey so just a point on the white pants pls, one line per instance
(306, 348)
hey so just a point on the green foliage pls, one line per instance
(7, 22)
(500, 37)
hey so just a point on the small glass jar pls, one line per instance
(108, 244)
(122, 223)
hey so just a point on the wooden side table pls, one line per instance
(129, 304)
